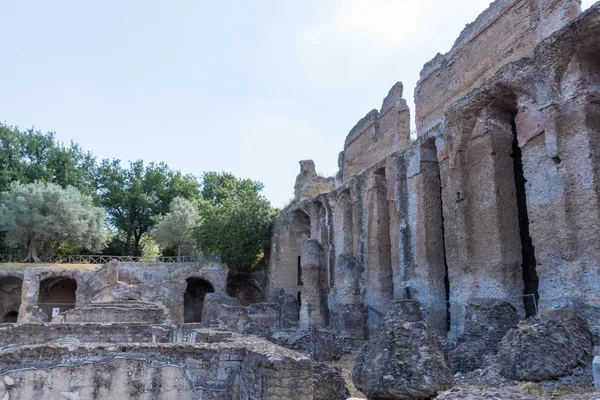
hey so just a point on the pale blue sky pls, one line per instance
(250, 87)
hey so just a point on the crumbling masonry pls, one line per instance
(496, 197)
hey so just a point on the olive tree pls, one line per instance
(42, 216)
(176, 228)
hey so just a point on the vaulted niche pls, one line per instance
(10, 298)
(299, 230)
(193, 299)
(57, 295)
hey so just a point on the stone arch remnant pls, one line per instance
(193, 299)
(57, 295)
(10, 298)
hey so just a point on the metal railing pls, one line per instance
(103, 259)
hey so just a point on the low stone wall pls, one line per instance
(30, 334)
(117, 312)
(238, 367)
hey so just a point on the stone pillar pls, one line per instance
(313, 308)
(29, 297)
(379, 284)
(427, 280)
(348, 314)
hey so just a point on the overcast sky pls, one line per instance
(249, 87)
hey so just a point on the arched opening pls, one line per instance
(10, 317)
(57, 295)
(299, 230)
(10, 298)
(193, 299)
(245, 287)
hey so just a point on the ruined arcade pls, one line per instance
(470, 245)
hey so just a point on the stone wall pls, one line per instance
(377, 135)
(309, 183)
(507, 31)
(12, 335)
(499, 201)
(245, 368)
(164, 283)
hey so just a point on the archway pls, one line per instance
(299, 230)
(10, 317)
(245, 287)
(10, 298)
(57, 294)
(193, 299)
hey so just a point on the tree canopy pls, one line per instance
(43, 216)
(142, 203)
(136, 195)
(235, 220)
(176, 228)
(31, 156)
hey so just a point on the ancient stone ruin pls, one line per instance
(462, 261)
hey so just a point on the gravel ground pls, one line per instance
(488, 384)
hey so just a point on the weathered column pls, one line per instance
(348, 314)
(29, 297)
(313, 308)
(379, 284)
(426, 280)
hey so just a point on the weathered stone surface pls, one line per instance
(404, 310)
(129, 311)
(496, 196)
(131, 371)
(12, 335)
(505, 32)
(246, 287)
(220, 308)
(486, 323)
(309, 184)
(328, 383)
(404, 360)
(327, 344)
(545, 347)
(321, 344)
(313, 307)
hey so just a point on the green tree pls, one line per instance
(235, 220)
(44, 216)
(175, 229)
(135, 196)
(31, 156)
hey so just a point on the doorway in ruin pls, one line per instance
(246, 287)
(57, 295)
(529, 263)
(10, 298)
(300, 228)
(193, 299)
